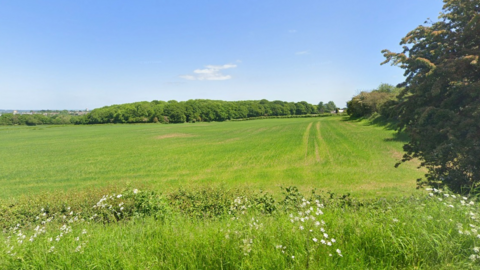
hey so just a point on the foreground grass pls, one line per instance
(328, 153)
(240, 229)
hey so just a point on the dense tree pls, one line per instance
(330, 106)
(379, 100)
(440, 105)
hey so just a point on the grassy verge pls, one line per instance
(239, 229)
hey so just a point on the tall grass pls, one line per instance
(240, 229)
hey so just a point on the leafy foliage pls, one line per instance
(376, 101)
(440, 105)
(199, 110)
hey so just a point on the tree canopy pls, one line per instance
(198, 110)
(440, 105)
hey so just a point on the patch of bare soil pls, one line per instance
(174, 135)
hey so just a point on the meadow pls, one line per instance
(318, 193)
(326, 153)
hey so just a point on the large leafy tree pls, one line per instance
(440, 105)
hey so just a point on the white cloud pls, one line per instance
(302, 53)
(210, 73)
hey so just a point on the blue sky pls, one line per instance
(89, 54)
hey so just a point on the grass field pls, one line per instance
(187, 196)
(327, 153)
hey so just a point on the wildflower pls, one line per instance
(322, 229)
(301, 228)
(78, 248)
(121, 208)
(323, 241)
(431, 194)
(84, 231)
(317, 223)
(440, 199)
(451, 206)
(339, 252)
(471, 203)
(325, 235)
(453, 196)
(333, 240)
(50, 239)
(77, 238)
(329, 243)
(330, 255)
(465, 198)
(476, 249)
(135, 191)
(473, 257)
(315, 239)
(51, 249)
(293, 257)
(446, 195)
(119, 196)
(395, 220)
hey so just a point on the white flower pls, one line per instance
(329, 243)
(431, 194)
(119, 196)
(471, 203)
(453, 196)
(323, 241)
(339, 252)
(301, 228)
(476, 249)
(333, 240)
(395, 220)
(293, 257)
(451, 206)
(446, 195)
(135, 191)
(317, 223)
(315, 239)
(322, 229)
(325, 235)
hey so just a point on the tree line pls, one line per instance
(198, 110)
(63, 118)
(157, 111)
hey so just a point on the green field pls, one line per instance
(327, 153)
(188, 196)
